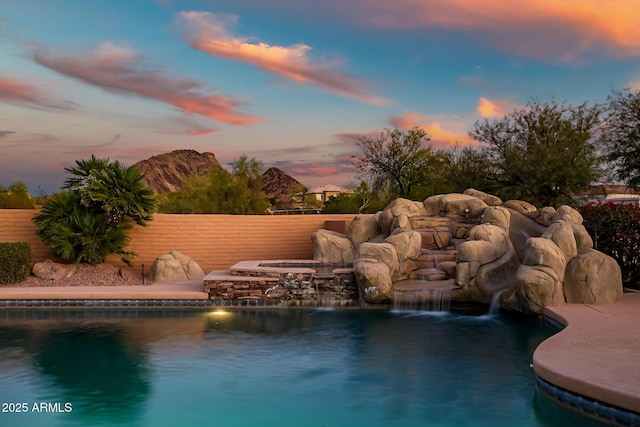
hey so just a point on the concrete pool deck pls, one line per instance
(595, 355)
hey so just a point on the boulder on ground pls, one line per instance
(454, 205)
(592, 277)
(49, 270)
(174, 267)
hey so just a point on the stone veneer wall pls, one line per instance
(215, 242)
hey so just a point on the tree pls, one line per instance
(544, 154)
(400, 160)
(470, 167)
(621, 135)
(16, 196)
(220, 192)
(90, 219)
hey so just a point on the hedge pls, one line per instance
(16, 261)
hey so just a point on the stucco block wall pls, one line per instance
(216, 242)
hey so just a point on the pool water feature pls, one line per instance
(301, 283)
(271, 367)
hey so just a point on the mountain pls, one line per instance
(165, 172)
(276, 183)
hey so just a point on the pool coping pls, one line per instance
(594, 358)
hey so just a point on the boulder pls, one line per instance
(331, 247)
(583, 239)
(536, 287)
(498, 216)
(520, 206)
(489, 199)
(454, 205)
(567, 213)
(408, 248)
(561, 233)
(374, 280)
(592, 277)
(399, 207)
(543, 216)
(49, 270)
(495, 235)
(545, 253)
(174, 267)
(382, 252)
(401, 223)
(362, 229)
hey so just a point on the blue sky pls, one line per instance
(292, 83)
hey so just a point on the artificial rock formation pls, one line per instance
(174, 267)
(528, 257)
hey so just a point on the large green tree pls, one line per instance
(401, 161)
(621, 135)
(544, 153)
(92, 215)
(220, 192)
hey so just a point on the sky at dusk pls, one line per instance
(293, 83)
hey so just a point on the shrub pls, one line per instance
(91, 218)
(16, 261)
(615, 230)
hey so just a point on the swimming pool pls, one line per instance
(269, 367)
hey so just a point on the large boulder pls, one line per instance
(382, 252)
(408, 248)
(174, 267)
(374, 280)
(49, 270)
(362, 229)
(592, 277)
(536, 287)
(331, 247)
(454, 205)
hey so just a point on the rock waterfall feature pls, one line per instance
(477, 249)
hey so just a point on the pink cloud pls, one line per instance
(496, 109)
(119, 69)
(209, 33)
(546, 29)
(440, 137)
(15, 91)
(320, 170)
(18, 92)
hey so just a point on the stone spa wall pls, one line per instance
(213, 241)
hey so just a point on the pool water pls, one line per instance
(270, 367)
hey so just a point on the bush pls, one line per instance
(16, 261)
(91, 218)
(615, 230)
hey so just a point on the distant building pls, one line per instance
(324, 193)
(611, 193)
